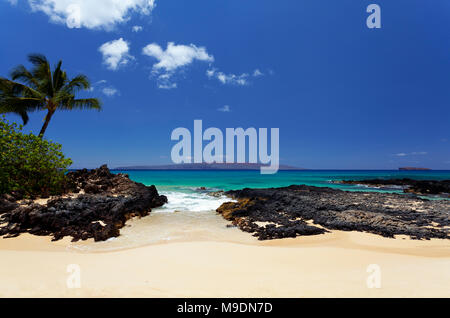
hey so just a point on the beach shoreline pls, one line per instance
(330, 265)
(187, 248)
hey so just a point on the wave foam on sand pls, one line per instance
(188, 216)
(190, 202)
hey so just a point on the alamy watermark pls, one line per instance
(235, 152)
(74, 279)
(374, 19)
(374, 278)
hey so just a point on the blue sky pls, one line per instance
(344, 96)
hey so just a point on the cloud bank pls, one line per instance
(91, 14)
(173, 58)
(415, 153)
(234, 79)
(116, 54)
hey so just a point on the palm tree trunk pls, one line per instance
(47, 121)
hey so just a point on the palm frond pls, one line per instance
(22, 74)
(37, 59)
(59, 77)
(83, 103)
(19, 99)
(79, 82)
(21, 112)
(24, 116)
(10, 88)
(20, 106)
(42, 73)
(13, 104)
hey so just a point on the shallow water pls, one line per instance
(188, 216)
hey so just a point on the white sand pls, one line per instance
(331, 265)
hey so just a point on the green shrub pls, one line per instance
(29, 164)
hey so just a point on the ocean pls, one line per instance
(232, 180)
(182, 187)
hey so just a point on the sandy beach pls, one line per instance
(331, 265)
(188, 246)
(232, 149)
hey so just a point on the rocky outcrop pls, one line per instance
(422, 187)
(303, 210)
(7, 203)
(101, 206)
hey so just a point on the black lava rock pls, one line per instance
(303, 210)
(108, 201)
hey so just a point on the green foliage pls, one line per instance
(28, 163)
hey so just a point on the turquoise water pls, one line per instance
(232, 180)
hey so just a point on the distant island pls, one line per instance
(206, 166)
(413, 169)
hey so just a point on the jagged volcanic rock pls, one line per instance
(108, 201)
(424, 187)
(304, 210)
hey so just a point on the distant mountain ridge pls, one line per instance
(205, 166)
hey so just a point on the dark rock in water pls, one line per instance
(423, 187)
(108, 202)
(304, 210)
(216, 194)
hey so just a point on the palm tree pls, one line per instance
(40, 89)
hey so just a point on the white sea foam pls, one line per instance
(193, 202)
(196, 220)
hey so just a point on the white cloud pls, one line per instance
(210, 73)
(110, 91)
(115, 53)
(173, 58)
(166, 83)
(234, 79)
(257, 73)
(224, 109)
(241, 80)
(96, 84)
(137, 28)
(13, 2)
(104, 88)
(419, 153)
(91, 14)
